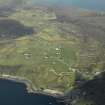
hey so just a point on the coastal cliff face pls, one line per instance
(91, 92)
(95, 89)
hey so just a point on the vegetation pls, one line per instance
(53, 51)
(45, 57)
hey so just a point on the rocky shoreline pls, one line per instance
(30, 88)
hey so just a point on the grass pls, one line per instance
(39, 58)
(48, 56)
(44, 58)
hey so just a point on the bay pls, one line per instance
(13, 93)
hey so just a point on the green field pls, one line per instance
(49, 56)
(46, 57)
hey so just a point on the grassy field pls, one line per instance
(51, 54)
(46, 57)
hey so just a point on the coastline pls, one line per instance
(31, 88)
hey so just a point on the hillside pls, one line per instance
(48, 48)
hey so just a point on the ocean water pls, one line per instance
(13, 93)
(98, 5)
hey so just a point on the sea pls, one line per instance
(96, 5)
(15, 93)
